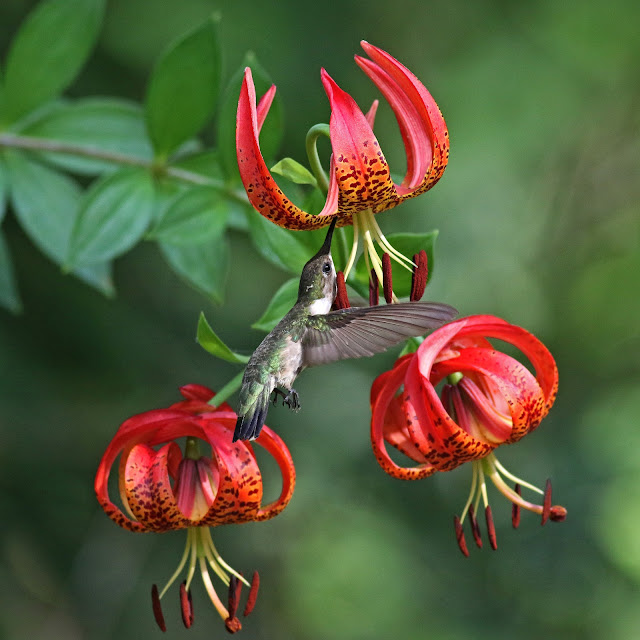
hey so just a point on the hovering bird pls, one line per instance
(311, 334)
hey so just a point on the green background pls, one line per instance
(539, 222)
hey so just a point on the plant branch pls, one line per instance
(54, 146)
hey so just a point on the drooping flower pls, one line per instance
(162, 488)
(487, 399)
(360, 183)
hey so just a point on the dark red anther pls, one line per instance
(374, 289)
(186, 605)
(387, 280)
(475, 528)
(233, 625)
(342, 299)
(546, 504)
(515, 509)
(419, 276)
(253, 594)
(462, 543)
(558, 513)
(491, 530)
(157, 608)
(235, 586)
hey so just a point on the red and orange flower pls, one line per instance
(162, 488)
(360, 183)
(488, 399)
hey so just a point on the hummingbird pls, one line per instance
(311, 334)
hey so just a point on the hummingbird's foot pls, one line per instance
(292, 400)
(278, 392)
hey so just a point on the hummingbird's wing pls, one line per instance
(364, 331)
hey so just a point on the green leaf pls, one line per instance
(50, 48)
(208, 340)
(289, 250)
(294, 171)
(408, 244)
(272, 129)
(205, 163)
(46, 204)
(107, 124)
(114, 215)
(410, 346)
(197, 215)
(204, 266)
(9, 297)
(284, 298)
(184, 88)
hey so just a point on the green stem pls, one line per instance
(228, 390)
(29, 143)
(312, 153)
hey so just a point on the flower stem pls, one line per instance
(312, 153)
(228, 390)
(30, 143)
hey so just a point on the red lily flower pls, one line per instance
(489, 399)
(163, 489)
(360, 183)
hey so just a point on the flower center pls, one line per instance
(364, 223)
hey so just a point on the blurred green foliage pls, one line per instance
(539, 221)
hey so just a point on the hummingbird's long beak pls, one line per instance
(325, 249)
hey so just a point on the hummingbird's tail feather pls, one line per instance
(249, 425)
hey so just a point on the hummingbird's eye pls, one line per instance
(326, 268)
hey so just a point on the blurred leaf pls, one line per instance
(3, 189)
(272, 129)
(289, 250)
(9, 297)
(194, 216)
(314, 201)
(203, 265)
(341, 247)
(107, 124)
(410, 346)
(48, 51)
(209, 341)
(114, 215)
(205, 163)
(184, 88)
(167, 191)
(284, 298)
(46, 204)
(408, 244)
(294, 171)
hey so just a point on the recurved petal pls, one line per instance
(385, 421)
(272, 443)
(148, 488)
(360, 168)
(263, 192)
(422, 126)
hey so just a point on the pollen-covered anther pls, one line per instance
(462, 543)
(186, 605)
(253, 594)
(157, 608)
(515, 508)
(557, 513)
(374, 289)
(475, 527)
(419, 276)
(342, 299)
(387, 279)
(233, 625)
(491, 530)
(546, 504)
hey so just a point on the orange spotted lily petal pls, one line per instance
(488, 399)
(163, 488)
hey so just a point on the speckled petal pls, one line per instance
(360, 168)
(148, 489)
(383, 394)
(422, 126)
(263, 192)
